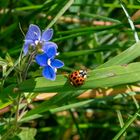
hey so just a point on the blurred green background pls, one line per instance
(88, 34)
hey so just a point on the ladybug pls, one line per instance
(77, 78)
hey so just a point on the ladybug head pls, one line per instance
(83, 73)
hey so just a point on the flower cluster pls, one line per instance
(40, 42)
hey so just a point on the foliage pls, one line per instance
(99, 36)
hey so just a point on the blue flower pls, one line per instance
(48, 62)
(35, 38)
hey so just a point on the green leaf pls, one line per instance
(103, 77)
(124, 57)
(27, 133)
(6, 95)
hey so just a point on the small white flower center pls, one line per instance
(36, 42)
(49, 62)
(57, 53)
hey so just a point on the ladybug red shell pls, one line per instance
(77, 78)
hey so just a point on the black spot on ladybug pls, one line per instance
(71, 76)
(74, 78)
(75, 73)
(77, 81)
(79, 84)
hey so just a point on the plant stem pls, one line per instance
(14, 128)
(19, 99)
(8, 134)
(17, 110)
(28, 65)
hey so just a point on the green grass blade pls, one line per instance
(82, 103)
(103, 77)
(110, 5)
(61, 12)
(127, 124)
(90, 29)
(74, 105)
(32, 7)
(120, 118)
(135, 102)
(130, 22)
(124, 57)
(87, 52)
(72, 36)
(50, 105)
(94, 16)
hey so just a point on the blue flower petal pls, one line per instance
(33, 33)
(26, 46)
(50, 49)
(57, 63)
(51, 52)
(47, 45)
(49, 73)
(42, 59)
(47, 35)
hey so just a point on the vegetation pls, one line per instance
(102, 37)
